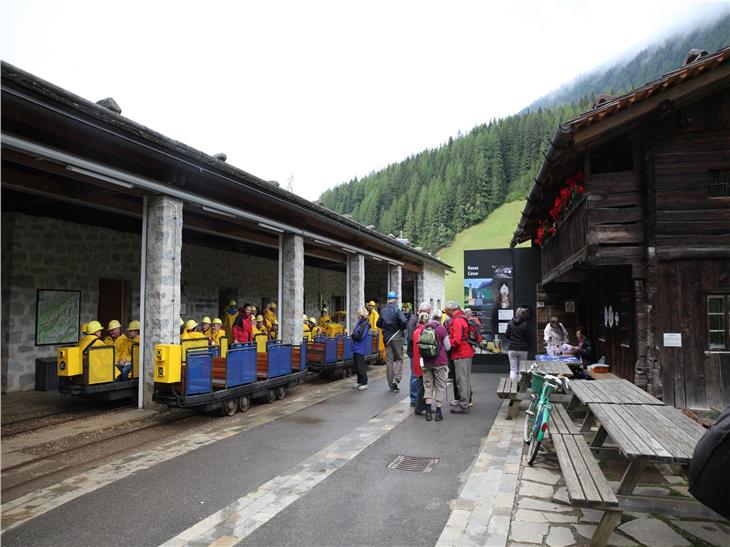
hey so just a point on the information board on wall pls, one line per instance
(494, 288)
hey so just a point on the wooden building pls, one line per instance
(632, 211)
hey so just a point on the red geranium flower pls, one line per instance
(565, 195)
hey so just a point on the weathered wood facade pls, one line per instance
(644, 251)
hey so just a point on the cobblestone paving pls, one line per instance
(505, 502)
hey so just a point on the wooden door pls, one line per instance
(111, 301)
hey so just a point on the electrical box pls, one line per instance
(69, 361)
(168, 364)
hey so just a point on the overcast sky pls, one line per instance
(325, 91)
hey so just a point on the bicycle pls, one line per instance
(539, 412)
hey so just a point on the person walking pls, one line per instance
(462, 353)
(361, 344)
(411, 325)
(518, 334)
(392, 322)
(435, 368)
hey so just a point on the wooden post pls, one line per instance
(631, 477)
(605, 528)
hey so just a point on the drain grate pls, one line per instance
(413, 463)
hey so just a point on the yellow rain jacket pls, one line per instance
(373, 320)
(122, 348)
(262, 330)
(215, 336)
(192, 335)
(89, 340)
(228, 320)
(307, 332)
(269, 318)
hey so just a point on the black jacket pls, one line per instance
(391, 321)
(518, 334)
(410, 329)
(585, 351)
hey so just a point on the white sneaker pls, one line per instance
(355, 386)
(362, 387)
(454, 403)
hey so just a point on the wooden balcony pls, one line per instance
(606, 227)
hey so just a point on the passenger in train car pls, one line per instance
(122, 348)
(92, 337)
(270, 316)
(190, 331)
(133, 332)
(324, 316)
(259, 327)
(82, 331)
(307, 330)
(242, 329)
(274, 330)
(182, 326)
(205, 326)
(315, 328)
(229, 317)
(216, 331)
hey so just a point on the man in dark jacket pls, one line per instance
(518, 334)
(410, 329)
(392, 322)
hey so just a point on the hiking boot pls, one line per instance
(362, 387)
(439, 416)
(429, 415)
(460, 410)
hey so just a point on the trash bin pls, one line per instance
(46, 378)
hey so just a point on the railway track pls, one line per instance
(42, 421)
(72, 454)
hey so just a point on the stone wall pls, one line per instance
(44, 253)
(431, 286)
(327, 283)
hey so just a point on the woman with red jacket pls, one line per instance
(416, 369)
(243, 326)
(462, 353)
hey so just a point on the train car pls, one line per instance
(192, 375)
(331, 356)
(92, 373)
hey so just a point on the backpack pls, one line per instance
(474, 337)
(427, 343)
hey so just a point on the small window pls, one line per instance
(718, 312)
(720, 184)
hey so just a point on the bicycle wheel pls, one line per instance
(534, 442)
(529, 420)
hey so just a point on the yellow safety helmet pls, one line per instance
(259, 318)
(275, 322)
(205, 319)
(312, 320)
(182, 322)
(83, 328)
(272, 305)
(133, 325)
(372, 303)
(93, 326)
(114, 324)
(305, 318)
(191, 324)
(232, 303)
(217, 321)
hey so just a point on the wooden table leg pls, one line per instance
(605, 528)
(588, 422)
(599, 437)
(631, 477)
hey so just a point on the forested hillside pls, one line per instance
(645, 66)
(434, 195)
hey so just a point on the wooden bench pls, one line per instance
(262, 365)
(509, 388)
(219, 372)
(587, 486)
(561, 423)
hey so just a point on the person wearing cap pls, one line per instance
(229, 317)
(216, 332)
(190, 332)
(259, 327)
(462, 353)
(92, 336)
(270, 316)
(373, 319)
(392, 322)
(324, 317)
(205, 326)
(133, 331)
(122, 348)
(274, 330)
(182, 326)
(306, 329)
(314, 327)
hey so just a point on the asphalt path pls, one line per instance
(362, 503)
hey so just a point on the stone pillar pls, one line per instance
(357, 287)
(421, 295)
(162, 281)
(292, 293)
(395, 275)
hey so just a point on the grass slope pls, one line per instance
(494, 232)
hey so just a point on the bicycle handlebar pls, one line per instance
(554, 381)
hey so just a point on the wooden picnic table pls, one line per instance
(548, 367)
(611, 392)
